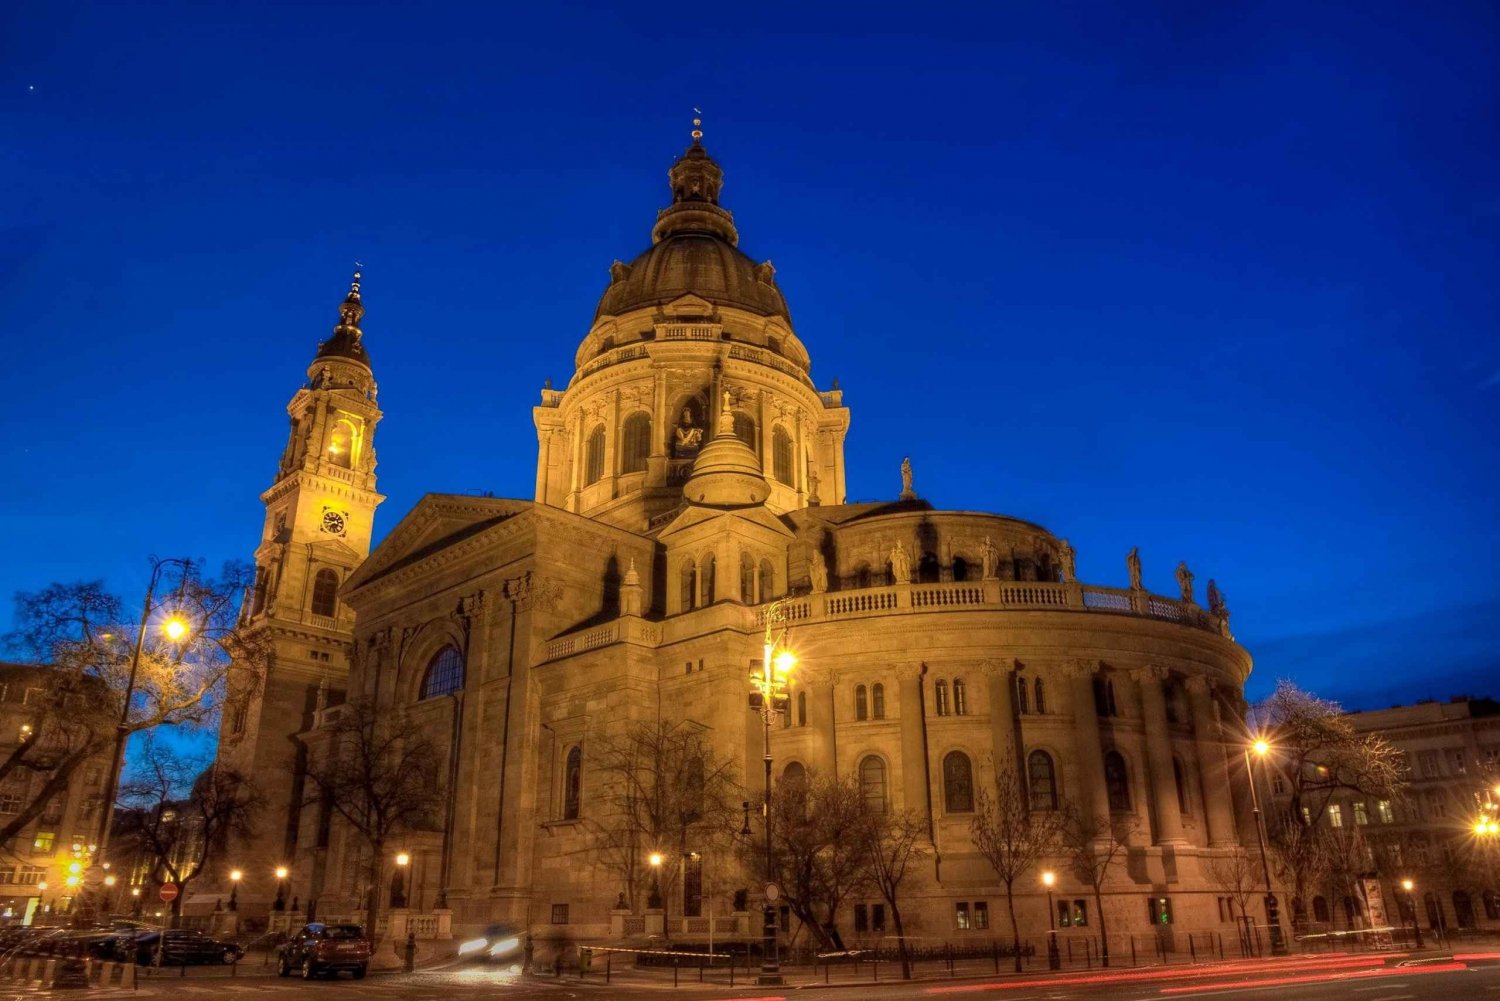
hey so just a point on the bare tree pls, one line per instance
(1012, 837)
(1238, 875)
(662, 788)
(818, 855)
(892, 842)
(1093, 846)
(1318, 754)
(83, 647)
(381, 774)
(182, 814)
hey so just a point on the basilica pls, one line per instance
(689, 475)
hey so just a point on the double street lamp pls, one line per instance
(1273, 913)
(769, 698)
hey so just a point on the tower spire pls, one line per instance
(697, 127)
(346, 341)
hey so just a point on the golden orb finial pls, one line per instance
(697, 125)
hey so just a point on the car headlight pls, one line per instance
(472, 945)
(504, 945)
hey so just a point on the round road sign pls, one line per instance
(168, 892)
(773, 892)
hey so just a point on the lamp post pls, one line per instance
(1411, 904)
(655, 860)
(1054, 957)
(398, 896)
(234, 889)
(281, 874)
(175, 629)
(770, 700)
(1273, 913)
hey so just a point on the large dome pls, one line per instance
(698, 263)
(694, 251)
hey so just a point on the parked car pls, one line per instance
(318, 948)
(182, 948)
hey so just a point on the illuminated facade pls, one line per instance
(690, 473)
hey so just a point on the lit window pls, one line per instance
(981, 915)
(1361, 814)
(44, 841)
(341, 444)
(1335, 815)
(1384, 812)
(961, 916)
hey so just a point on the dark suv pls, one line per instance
(318, 948)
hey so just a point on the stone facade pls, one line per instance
(690, 473)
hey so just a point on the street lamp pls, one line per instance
(1411, 904)
(281, 875)
(234, 889)
(398, 897)
(770, 700)
(655, 860)
(1273, 913)
(1054, 958)
(175, 629)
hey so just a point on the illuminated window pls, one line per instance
(877, 701)
(341, 444)
(44, 841)
(1041, 778)
(637, 443)
(861, 703)
(1335, 815)
(961, 916)
(593, 462)
(325, 592)
(981, 915)
(1384, 812)
(572, 784)
(781, 456)
(445, 673)
(958, 783)
(872, 783)
(1116, 782)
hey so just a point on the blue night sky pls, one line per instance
(1216, 280)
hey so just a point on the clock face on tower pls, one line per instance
(333, 523)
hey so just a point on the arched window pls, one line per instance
(767, 581)
(929, 571)
(744, 430)
(1463, 909)
(445, 673)
(960, 698)
(1172, 696)
(781, 456)
(872, 783)
(341, 444)
(572, 783)
(958, 783)
(1182, 794)
(1041, 780)
(1041, 697)
(708, 572)
(794, 772)
(1116, 782)
(1021, 698)
(940, 698)
(689, 587)
(1104, 697)
(861, 703)
(1320, 909)
(801, 708)
(747, 579)
(960, 568)
(636, 444)
(593, 461)
(862, 576)
(877, 701)
(325, 592)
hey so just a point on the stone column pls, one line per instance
(1218, 806)
(1003, 736)
(1166, 811)
(913, 758)
(1092, 797)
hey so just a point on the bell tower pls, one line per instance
(320, 512)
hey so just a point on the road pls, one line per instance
(1373, 977)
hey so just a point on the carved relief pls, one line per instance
(532, 591)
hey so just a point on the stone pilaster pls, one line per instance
(913, 752)
(1218, 806)
(1094, 799)
(1165, 807)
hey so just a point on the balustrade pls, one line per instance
(1029, 595)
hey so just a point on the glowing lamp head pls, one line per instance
(281, 872)
(75, 868)
(403, 859)
(175, 628)
(1407, 885)
(109, 881)
(1048, 879)
(42, 885)
(71, 881)
(135, 891)
(655, 859)
(235, 875)
(783, 663)
(1260, 747)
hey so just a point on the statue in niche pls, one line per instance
(817, 569)
(907, 493)
(1133, 564)
(1185, 581)
(989, 555)
(900, 564)
(1069, 563)
(688, 435)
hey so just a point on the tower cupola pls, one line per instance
(346, 341)
(726, 472)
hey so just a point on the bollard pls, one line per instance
(674, 971)
(1192, 949)
(948, 953)
(995, 953)
(609, 963)
(731, 971)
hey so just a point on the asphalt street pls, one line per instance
(1467, 976)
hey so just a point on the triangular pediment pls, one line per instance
(334, 551)
(694, 522)
(687, 307)
(437, 521)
